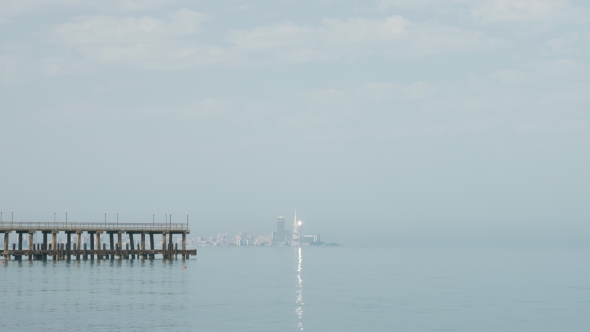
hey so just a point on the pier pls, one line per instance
(106, 240)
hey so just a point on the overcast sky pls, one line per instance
(393, 122)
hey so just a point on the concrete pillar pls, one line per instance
(183, 245)
(78, 244)
(44, 246)
(132, 245)
(164, 246)
(20, 245)
(6, 239)
(79, 240)
(152, 245)
(31, 245)
(120, 245)
(111, 237)
(99, 256)
(54, 245)
(91, 236)
(143, 245)
(68, 244)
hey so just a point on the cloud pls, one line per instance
(497, 11)
(543, 71)
(146, 42)
(8, 70)
(197, 110)
(206, 108)
(493, 11)
(209, 107)
(394, 37)
(383, 91)
(12, 8)
(561, 45)
(105, 30)
(174, 42)
(327, 96)
(417, 4)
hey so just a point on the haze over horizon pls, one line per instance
(387, 122)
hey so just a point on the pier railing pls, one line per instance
(91, 226)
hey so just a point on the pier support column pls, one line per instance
(31, 244)
(78, 244)
(6, 241)
(99, 255)
(44, 246)
(112, 244)
(171, 247)
(132, 245)
(68, 245)
(152, 246)
(120, 245)
(143, 245)
(91, 236)
(20, 246)
(54, 245)
(164, 246)
(184, 245)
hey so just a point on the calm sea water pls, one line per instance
(310, 289)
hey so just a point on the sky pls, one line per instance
(385, 122)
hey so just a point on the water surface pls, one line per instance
(312, 289)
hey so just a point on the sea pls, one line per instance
(305, 289)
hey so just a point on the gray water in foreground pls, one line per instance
(312, 289)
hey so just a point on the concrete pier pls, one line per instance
(65, 251)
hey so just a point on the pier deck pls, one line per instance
(79, 249)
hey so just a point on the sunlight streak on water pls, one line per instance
(299, 299)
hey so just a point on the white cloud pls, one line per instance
(202, 109)
(327, 96)
(542, 71)
(497, 11)
(510, 76)
(206, 108)
(418, 4)
(173, 43)
(492, 11)
(8, 70)
(393, 36)
(105, 30)
(561, 45)
(241, 7)
(146, 42)
(209, 107)
(21, 7)
(383, 91)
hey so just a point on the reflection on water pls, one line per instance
(299, 300)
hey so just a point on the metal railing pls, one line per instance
(90, 226)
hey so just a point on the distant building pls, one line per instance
(310, 238)
(279, 237)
